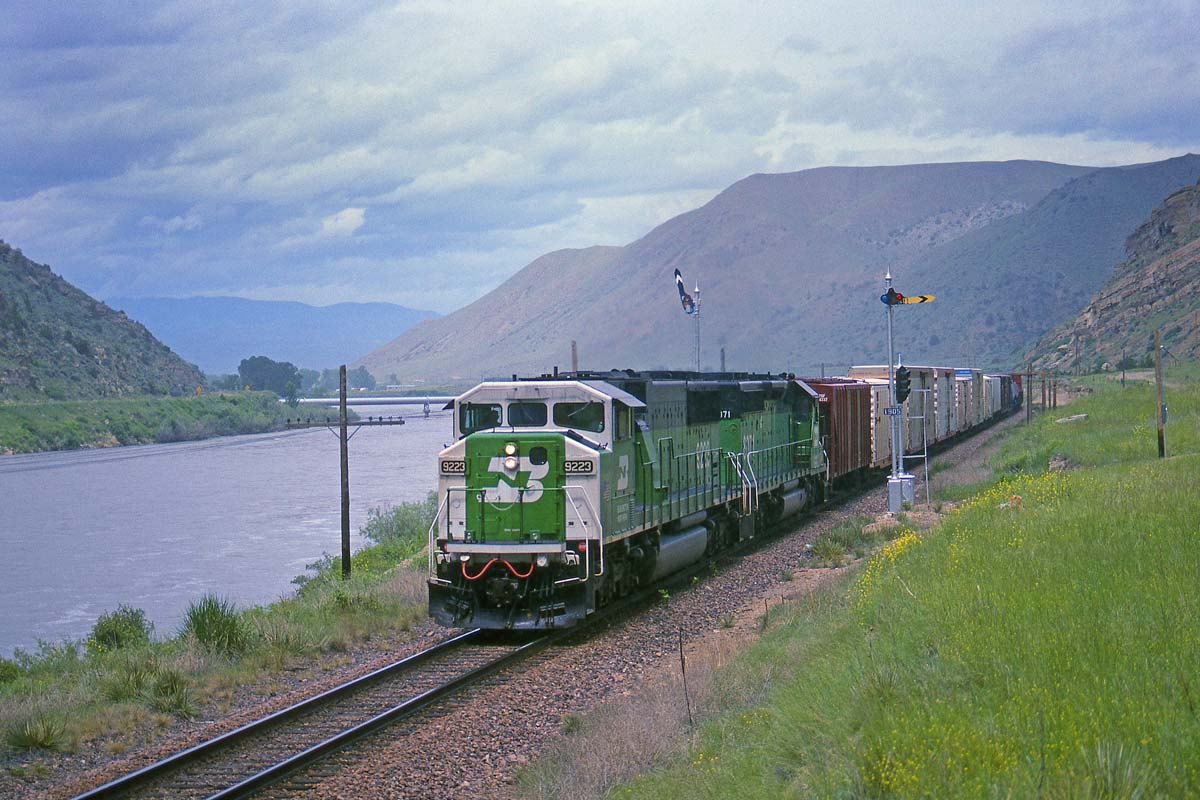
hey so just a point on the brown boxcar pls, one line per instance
(845, 423)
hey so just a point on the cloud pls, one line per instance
(181, 147)
(343, 223)
(340, 225)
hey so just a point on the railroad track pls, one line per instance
(243, 761)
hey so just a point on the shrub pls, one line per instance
(117, 629)
(216, 626)
(129, 676)
(9, 671)
(171, 692)
(827, 552)
(39, 731)
(407, 521)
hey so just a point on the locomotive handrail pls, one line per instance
(599, 535)
(443, 506)
(736, 460)
(776, 453)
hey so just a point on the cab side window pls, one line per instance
(624, 421)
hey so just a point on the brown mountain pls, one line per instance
(790, 267)
(57, 342)
(1157, 287)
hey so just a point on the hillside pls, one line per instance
(776, 257)
(218, 332)
(790, 267)
(1156, 287)
(56, 342)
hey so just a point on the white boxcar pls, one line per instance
(995, 394)
(881, 440)
(944, 409)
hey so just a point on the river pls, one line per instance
(157, 526)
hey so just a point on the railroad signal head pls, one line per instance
(891, 298)
(903, 384)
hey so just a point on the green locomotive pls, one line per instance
(563, 492)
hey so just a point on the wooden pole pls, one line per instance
(345, 441)
(1158, 387)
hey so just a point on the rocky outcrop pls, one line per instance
(1157, 287)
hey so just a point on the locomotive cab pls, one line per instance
(516, 541)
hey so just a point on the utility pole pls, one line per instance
(1161, 410)
(697, 315)
(722, 359)
(345, 457)
(574, 357)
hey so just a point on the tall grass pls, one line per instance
(1040, 643)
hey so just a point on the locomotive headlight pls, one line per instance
(510, 449)
(511, 463)
(542, 561)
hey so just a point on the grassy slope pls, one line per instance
(53, 425)
(1045, 648)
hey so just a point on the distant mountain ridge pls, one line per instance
(1157, 287)
(57, 342)
(218, 332)
(790, 267)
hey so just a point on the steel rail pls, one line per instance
(139, 777)
(347, 737)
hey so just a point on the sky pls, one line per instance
(421, 153)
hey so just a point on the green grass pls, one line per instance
(1038, 646)
(66, 425)
(119, 681)
(853, 539)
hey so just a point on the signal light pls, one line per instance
(903, 384)
(891, 298)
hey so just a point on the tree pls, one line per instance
(360, 378)
(308, 379)
(260, 372)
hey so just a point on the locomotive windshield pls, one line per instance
(474, 417)
(581, 416)
(527, 415)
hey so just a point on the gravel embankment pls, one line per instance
(471, 746)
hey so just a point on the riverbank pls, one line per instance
(113, 422)
(1036, 643)
(81, 704)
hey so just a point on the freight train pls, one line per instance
(563, 492)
